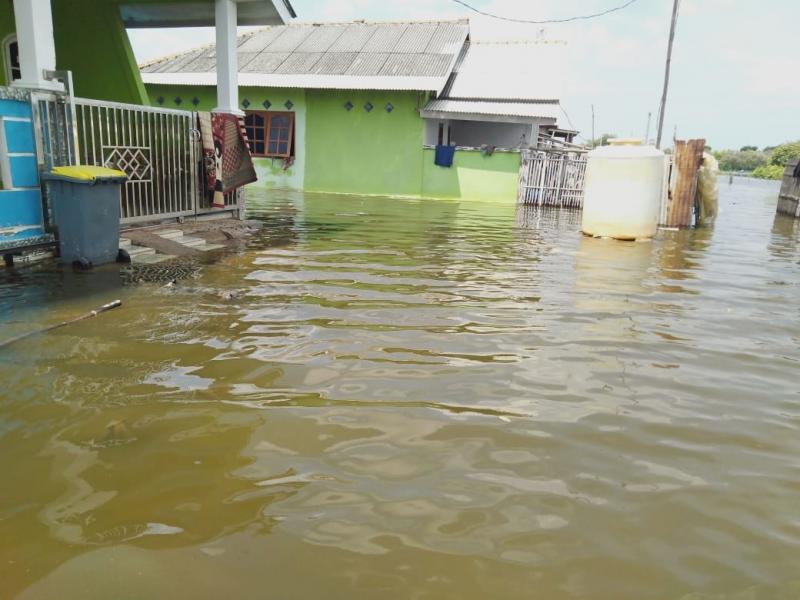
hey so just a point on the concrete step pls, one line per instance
(192, 242)
(124, 243)
(139, 251)
(150, 259)
(170, 234)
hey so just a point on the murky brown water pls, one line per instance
(414, 400)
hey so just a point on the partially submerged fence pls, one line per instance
(552, 178)
(158, 149)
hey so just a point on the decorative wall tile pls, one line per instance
(289, 104)
(266, 104)
(368, 107)
(348, 105)
(389, 107)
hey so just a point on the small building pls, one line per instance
(71, 93)
(360, 107)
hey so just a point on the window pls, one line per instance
(11, 58)
(271, 134)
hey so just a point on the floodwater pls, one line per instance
(403, 399)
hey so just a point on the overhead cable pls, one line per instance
(546, 21)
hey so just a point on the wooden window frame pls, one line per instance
(267, 116)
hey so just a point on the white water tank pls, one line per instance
(623, 190)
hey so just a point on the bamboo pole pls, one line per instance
(89, 315)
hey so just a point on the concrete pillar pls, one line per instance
(227, 59)
(37, 49)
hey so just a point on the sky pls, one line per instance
(735, 70)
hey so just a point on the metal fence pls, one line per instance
(548, 178)
(155, 147)
(158, 149)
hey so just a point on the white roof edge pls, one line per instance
(505, 111)
(336, 82)
(283, 10)
(452, 65)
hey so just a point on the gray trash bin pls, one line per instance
(85, 202)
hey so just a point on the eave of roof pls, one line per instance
(464, 109)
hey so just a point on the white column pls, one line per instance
(37, 48)
(227, 59)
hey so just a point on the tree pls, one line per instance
(788, 152)
(602, 140)
(737, 160)
(768, 172)
(748, 148)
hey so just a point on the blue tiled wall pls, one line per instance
(21, 205)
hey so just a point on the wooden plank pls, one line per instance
(688, 157)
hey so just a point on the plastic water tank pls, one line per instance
(623, 190)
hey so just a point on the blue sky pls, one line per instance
(736, 65)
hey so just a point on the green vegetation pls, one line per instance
(741, 160)
(784, 153)
(602, 140)
(768, 172)
(768, 163)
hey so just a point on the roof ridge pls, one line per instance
(160, 59)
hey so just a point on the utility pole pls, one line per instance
(647, 131)
(593, 138)
(666, 72)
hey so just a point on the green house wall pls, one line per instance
(364, 152)
(356, 151)
(472, 177)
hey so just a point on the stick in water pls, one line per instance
(89, 315)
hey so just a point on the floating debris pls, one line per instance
(164, 273)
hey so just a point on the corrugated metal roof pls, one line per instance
(313, 55)
(542, 110)
(516, 70)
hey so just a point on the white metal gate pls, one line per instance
(157, 148)
(549, 178)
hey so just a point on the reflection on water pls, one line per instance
(409, 399)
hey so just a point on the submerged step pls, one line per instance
(150, 259)
(170, 234)
(139, 251)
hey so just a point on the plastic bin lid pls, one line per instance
(87, 174)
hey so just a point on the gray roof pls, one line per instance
(359, 55)
(464, 109)
(516, 80)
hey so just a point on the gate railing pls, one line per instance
(158, 149)
(549, 178)
(155, 147)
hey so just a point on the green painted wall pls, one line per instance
(7, 27)
(472, 177)
(92, 43)
(270, 170)
(360, 152)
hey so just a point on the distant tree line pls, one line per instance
(767, 163)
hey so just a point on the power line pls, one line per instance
(547, 21)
